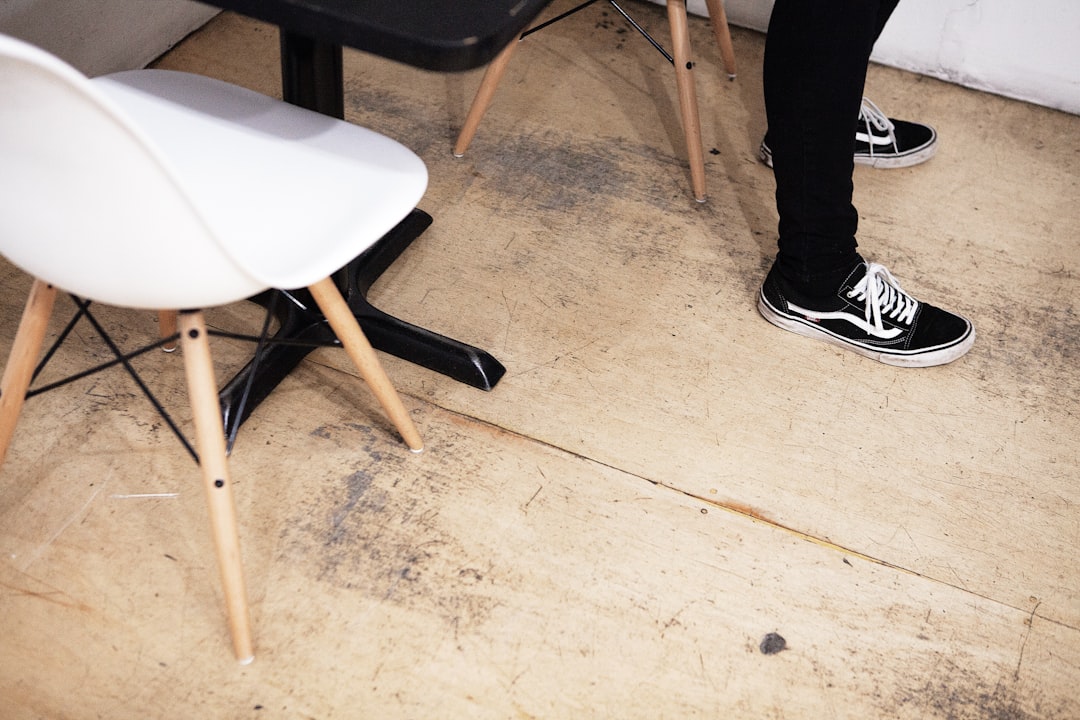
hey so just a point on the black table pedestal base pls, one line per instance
(302, 321)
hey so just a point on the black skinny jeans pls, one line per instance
(816, 55)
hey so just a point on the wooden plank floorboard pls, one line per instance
(493, 576)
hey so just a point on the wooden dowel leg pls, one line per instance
(23, 357)
(722, 33)
(363, 356)
(684, 78)
(167, 327)
(210, 443)
(483, 97)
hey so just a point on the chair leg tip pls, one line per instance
(416, 450)
(246, 661)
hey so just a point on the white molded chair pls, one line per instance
(684, 81)
(164, 190)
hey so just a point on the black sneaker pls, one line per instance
(883, 142)
(871, 315)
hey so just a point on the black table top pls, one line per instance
(444, 35)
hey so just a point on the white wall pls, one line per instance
(101, 36)
(1024, 49)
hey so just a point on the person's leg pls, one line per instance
(881, 142)
(816, 56)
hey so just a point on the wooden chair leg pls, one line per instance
(210, 444)
(23, 357)
(684, 79)
(483, 97)
(722, 33)
(363, 356)
(167, 328)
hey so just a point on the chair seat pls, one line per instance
(290, 194)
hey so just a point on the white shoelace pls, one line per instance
(883, 296)
(871, 116)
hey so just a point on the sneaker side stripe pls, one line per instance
(871, 139)
(866, 327)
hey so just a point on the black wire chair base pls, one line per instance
(262, 341)
(301, 329)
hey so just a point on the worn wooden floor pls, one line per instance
(660, 481)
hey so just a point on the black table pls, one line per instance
(442, 35)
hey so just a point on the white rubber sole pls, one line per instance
(881, 162)
(893, 162)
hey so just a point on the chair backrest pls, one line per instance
(87, 204)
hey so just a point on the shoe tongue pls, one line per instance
(855, 275)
